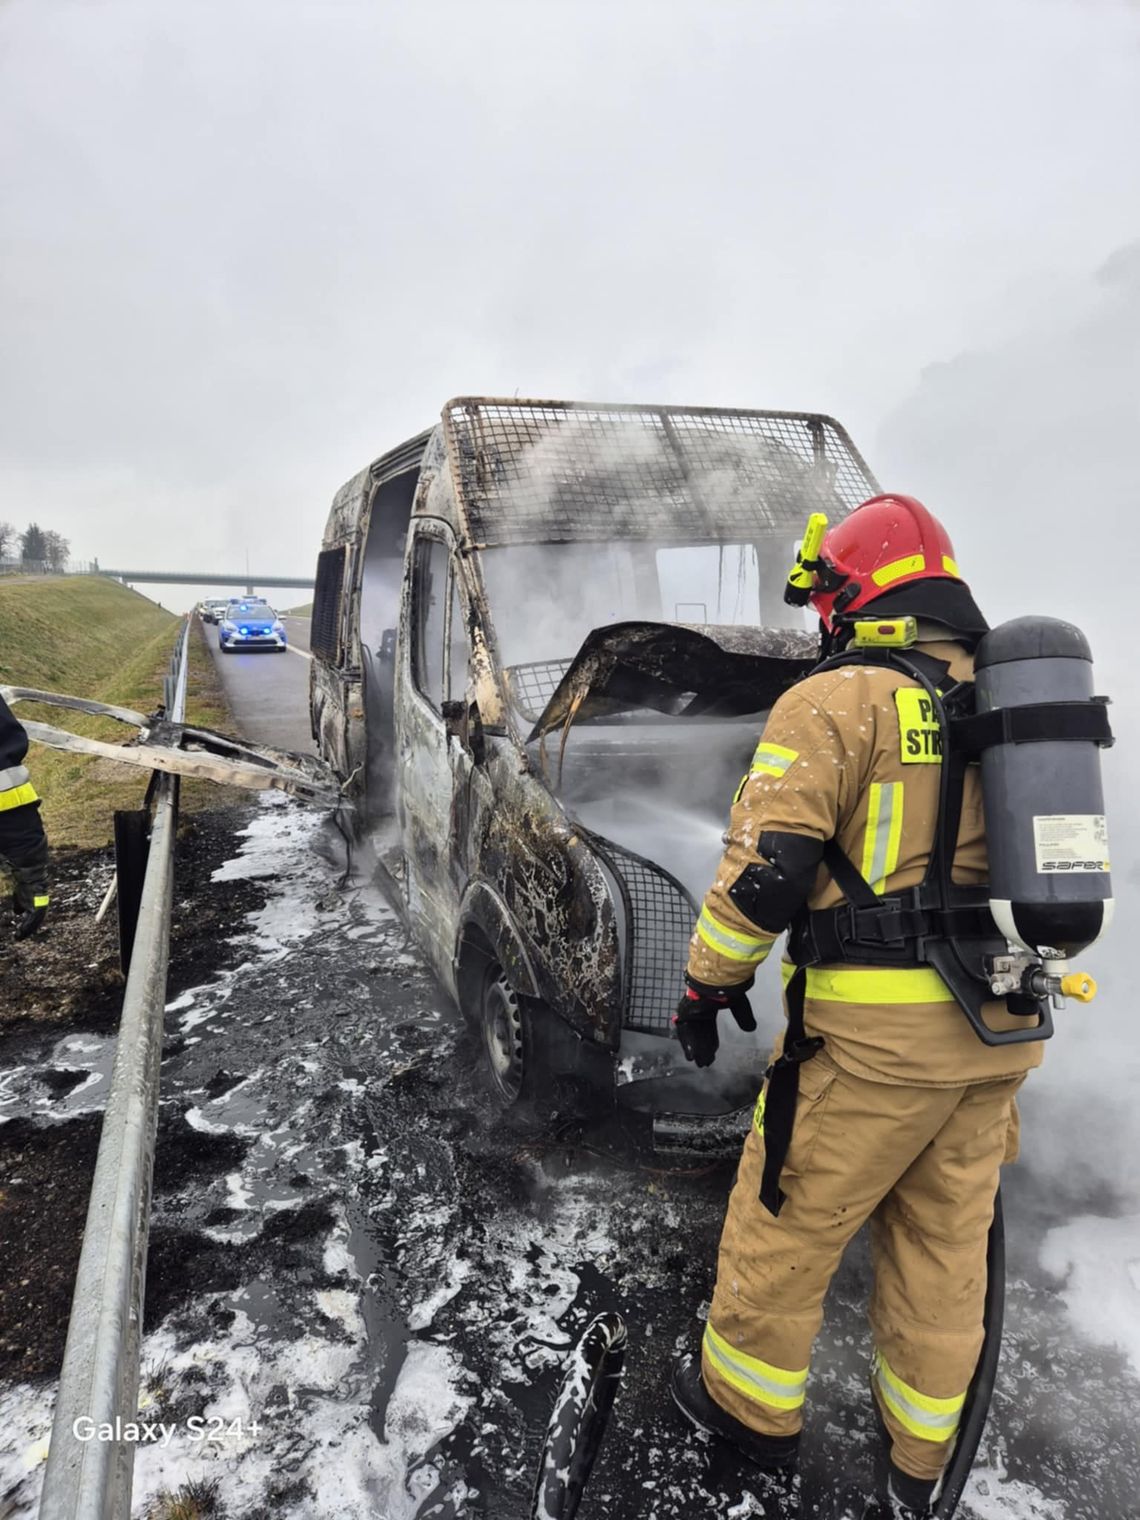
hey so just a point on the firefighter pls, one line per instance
(23, 843)
(881, 1102)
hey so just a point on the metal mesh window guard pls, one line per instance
(535, 471)
(533, 685)
(660, 916)
(324, 636)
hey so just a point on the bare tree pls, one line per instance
(7, 539)
(56, 550)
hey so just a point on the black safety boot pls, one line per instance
(773, 1454)
(906, 1498)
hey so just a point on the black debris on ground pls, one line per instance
(66, 981)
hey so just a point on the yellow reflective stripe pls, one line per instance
(883, 831)
(758, 1111)
(18, 796)
(897, 568)
(772, 760)
(870, 985)
(726, 941)
(951, 566)
(756, 1380)
(40, 902)
(928, 1418)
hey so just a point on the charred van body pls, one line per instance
(545, 636)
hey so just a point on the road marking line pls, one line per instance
(304, 653)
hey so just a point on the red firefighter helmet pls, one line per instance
(885, 544)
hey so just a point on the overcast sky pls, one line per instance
(244, 248)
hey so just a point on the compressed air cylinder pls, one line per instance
(1043, 801)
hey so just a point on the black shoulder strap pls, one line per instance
(1033, 723)
(783, 1090)
(906, 661)
(847, 877)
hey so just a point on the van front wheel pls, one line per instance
(507, 1030)
(533, 1063)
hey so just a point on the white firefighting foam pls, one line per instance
(1100, 1262)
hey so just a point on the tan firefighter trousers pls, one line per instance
(922, 1164)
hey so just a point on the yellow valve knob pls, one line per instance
(1079, 985)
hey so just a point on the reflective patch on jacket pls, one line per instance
(18, 796)
(728, 942)
(868, 985)
(772, 759)
(883, 832)
(920, 735)
(769, 760)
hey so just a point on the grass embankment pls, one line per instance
(91, 637)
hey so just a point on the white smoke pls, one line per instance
(1026, 446)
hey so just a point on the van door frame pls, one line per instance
(433, 766)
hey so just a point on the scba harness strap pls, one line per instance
(783, 1078)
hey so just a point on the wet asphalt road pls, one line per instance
(387, 1276)
(268, 692)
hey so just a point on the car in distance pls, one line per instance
(251, 624)
(213, 608)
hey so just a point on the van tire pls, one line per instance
(507, 1039)
(533, 1065)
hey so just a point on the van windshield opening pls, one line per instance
(545, 598)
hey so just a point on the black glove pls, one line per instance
(695, 1019)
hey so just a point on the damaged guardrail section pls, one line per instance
(99, 1381)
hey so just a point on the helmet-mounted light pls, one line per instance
(811, 572)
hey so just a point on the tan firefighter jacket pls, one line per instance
(853, 753)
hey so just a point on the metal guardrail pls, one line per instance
(91, 1479)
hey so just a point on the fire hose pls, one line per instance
(578, 1421)
(977, 1405)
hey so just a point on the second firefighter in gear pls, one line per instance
(23, 843)
(901, 1115)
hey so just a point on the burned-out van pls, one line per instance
(545, 636)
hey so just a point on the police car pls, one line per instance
(251, 624)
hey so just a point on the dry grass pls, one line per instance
(193, 1501)
(94, 638)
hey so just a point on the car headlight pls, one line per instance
(227, 624)
(279, 627)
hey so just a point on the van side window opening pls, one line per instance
(458, 655)
(429, 605)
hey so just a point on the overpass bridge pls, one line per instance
(247, 580)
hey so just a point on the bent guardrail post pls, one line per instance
(91, 1479)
